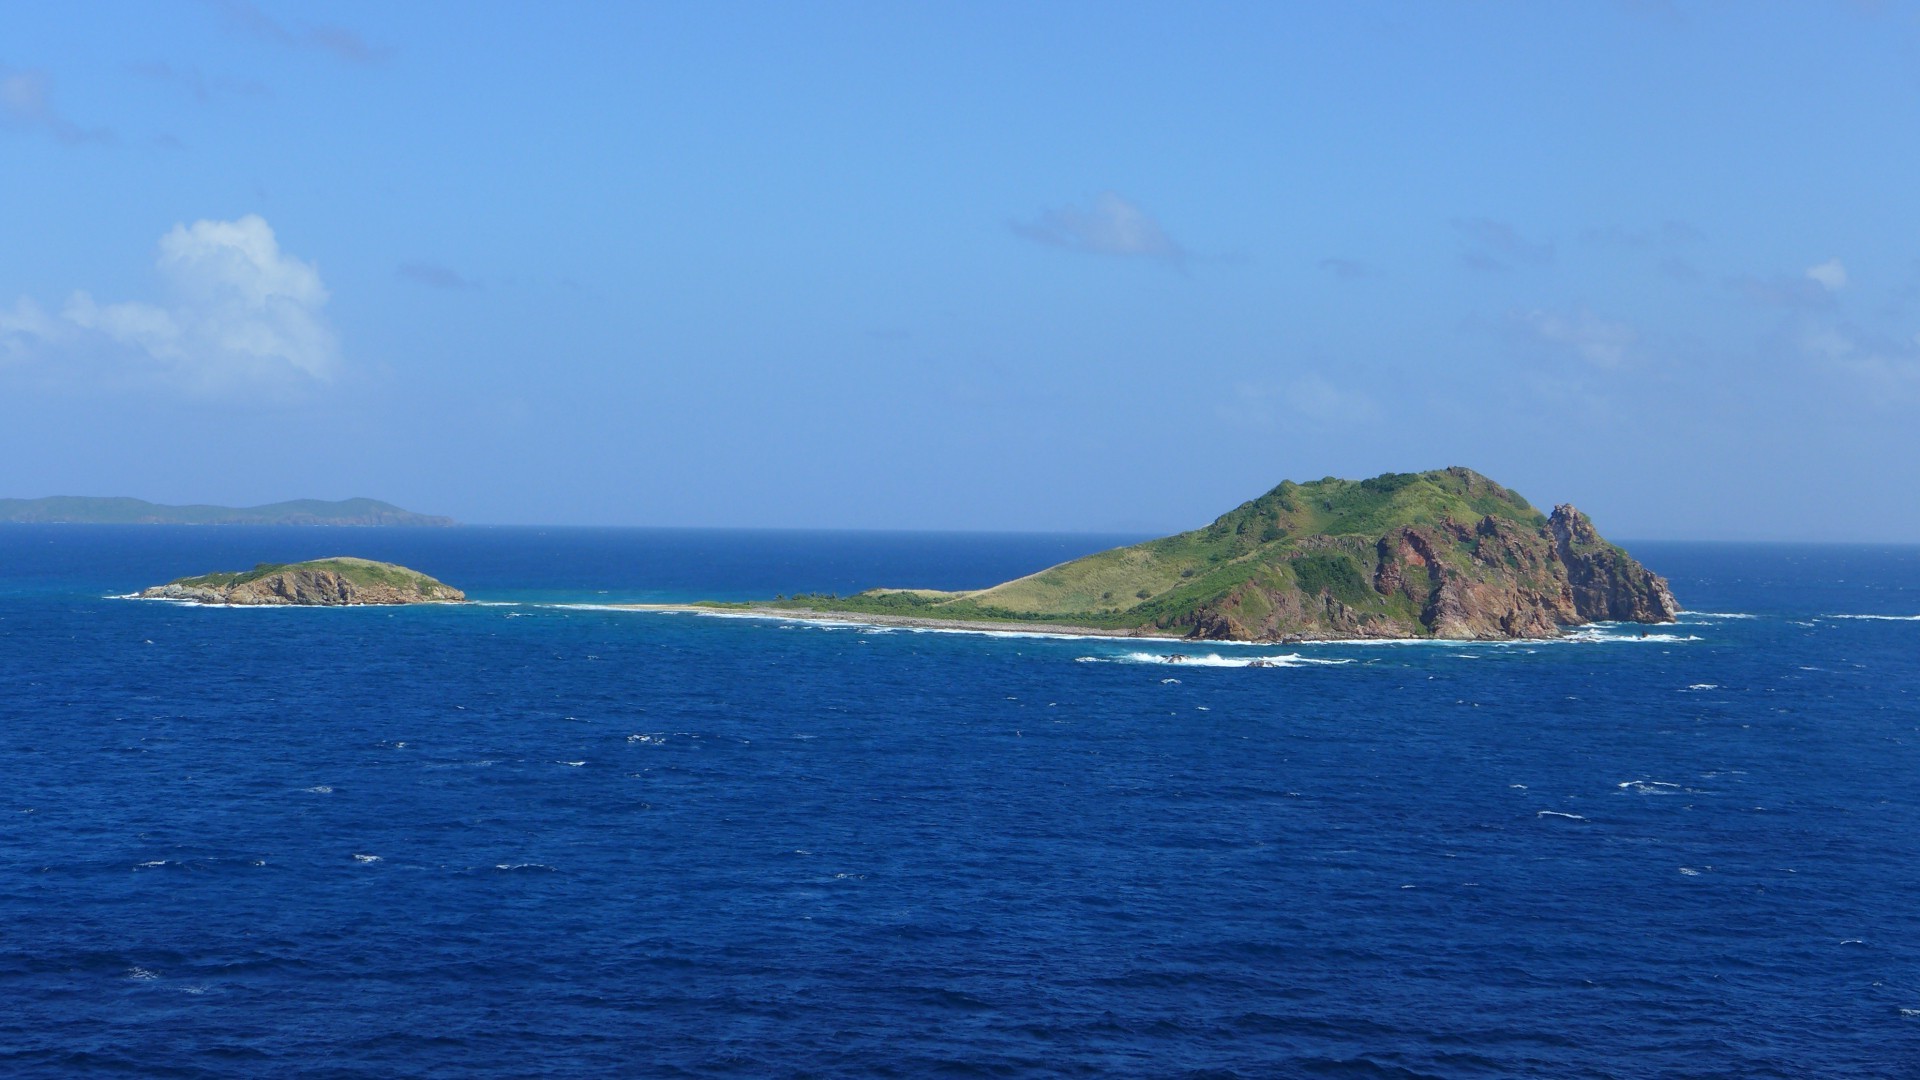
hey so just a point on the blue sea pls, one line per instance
(535, 836)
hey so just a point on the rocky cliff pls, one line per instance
(1491, 578)
(322, 582)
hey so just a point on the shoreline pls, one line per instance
(1059, 630)
(852, 618)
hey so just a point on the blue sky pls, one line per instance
(1078, 267)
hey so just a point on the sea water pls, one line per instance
(537, 835)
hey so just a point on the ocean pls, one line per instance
(536, 836)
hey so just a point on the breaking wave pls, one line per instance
(1212, 660)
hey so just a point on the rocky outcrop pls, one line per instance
(1605, 583)
(1495, 578)
(322, 583)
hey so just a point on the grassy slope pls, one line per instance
(358, 571)
(85, 510)
(1314, 535)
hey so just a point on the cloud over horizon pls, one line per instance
(238, 311)
(1111, 226)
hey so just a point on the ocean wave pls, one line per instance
(1212, 660)
(1688, 615)
(1557, 813)
(1877, 618)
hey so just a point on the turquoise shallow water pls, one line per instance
(526, 837)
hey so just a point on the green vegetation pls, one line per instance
(1317, 542)
(359, 571)
(77, 510)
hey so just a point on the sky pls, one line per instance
(1078, 267)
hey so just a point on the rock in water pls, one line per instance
(318, 583)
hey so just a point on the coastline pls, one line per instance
(1583, 632)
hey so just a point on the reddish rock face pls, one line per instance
(1496, 578)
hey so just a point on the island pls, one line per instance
(82, 510)
(1441, 554)
(317, 583)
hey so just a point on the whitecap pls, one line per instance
(1691, 615)
(522, 866)
(1556, 813)
(1602, 634)
(1689, 871)
(320, 789)
(1699, 686)
(1216, 660)
(574, 764)
(367, 858)
(155, 862)
(1877, 618)
(141, 974)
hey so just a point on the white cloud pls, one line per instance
(1112, 226)
(1830, 274)
(237, 311)
(1604, 343)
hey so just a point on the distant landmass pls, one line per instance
(331, 582)
(1442, 554)
(80, 510)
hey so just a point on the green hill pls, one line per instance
(82, 510)
(1447, 553)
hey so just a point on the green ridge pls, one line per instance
(359, 571)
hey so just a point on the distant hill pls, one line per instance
(1446, 554)
(80, 510)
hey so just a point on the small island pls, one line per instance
(330, 582)
(1441, 554)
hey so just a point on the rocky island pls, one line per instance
(1441, 554)
(317, 583)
